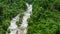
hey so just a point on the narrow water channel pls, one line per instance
(14, 29)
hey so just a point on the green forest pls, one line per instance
(45, 17)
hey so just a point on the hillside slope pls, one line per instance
(45, 18)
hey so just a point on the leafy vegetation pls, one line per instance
(45, 18)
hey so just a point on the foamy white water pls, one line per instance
(23, 28)
(13, 27)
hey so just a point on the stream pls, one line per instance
(14, 29)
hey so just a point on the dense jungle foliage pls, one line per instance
(45, 17)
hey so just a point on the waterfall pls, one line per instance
(23, 27)
(14, 29)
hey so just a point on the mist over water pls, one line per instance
(14, 29)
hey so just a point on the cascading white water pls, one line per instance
(23, 28)
(13, 26)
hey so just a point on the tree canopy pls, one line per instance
(45, 17)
